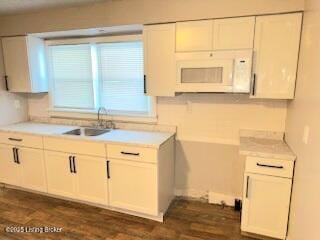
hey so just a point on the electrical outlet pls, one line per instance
(306, 133)
(17, 104)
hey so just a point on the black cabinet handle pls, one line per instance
(15, 139)
(17, 156)
(14, 155)
(247, 190)
(144, 84)
(6, 82)
(129, 153)
(254, 84)
(74, 164)
(269, 166)
(70, 164)
(108, 169)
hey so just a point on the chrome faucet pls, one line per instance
(104, 123)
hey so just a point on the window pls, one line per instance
(71, 74)
(86, 76)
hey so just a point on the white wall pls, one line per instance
(121, 12)
(8, 112)
(305, 111)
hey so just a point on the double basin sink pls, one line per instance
(87, 132)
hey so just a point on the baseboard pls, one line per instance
(256, 236)
(191, 193)
(209, 196)
(219, 198)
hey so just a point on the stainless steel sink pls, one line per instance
(87, 132)
(95, 131)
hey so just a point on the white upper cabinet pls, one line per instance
(276, 46)
(274, 38)
(24, 59)
(159, 50)
(194, 36)
(233, 33)
(220, 34)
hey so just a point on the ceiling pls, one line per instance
(8, 7)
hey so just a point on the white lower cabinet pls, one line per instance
(23, 167)
(10, 169)
(91, 179)
(137, 180)
(33, 171)
(76, 176)
(61, 180)
(266, 197)
(133, 186)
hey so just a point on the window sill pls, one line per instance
(92, 114)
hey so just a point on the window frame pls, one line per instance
(92, 113)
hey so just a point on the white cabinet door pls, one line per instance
(133, 186)
(276, 46)
(10, 170)
(159, 58)
(233, 33)
(61, 181)
(15, 55)
(194, 36)
(266, 201)
(24, 60)
(33, 171)
(91, 175)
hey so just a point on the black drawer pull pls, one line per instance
(15, 139)
(70, 164)
(6, 82)
(14, 155)
(74, 164)
(269, 166)
(17, 156)
(129, 153)
(108, 169)
(247, 188)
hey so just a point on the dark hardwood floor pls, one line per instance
(186, 220)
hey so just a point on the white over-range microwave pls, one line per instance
(217, 71)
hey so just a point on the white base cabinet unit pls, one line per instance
(21, 164)
(76, 169)
(133, 179)
(25, 67)
(141, 179)
(137, 179)
(133, 186)
(266, 196)
(76, 176)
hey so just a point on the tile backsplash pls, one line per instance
(121, 125)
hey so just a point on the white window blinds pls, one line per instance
(70, 71)
(121, 77)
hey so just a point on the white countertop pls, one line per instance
(141, 138)
(266, 148)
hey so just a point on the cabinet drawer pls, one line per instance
(23, 140)
(273, 167)
(74, 146)
(132, 153)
